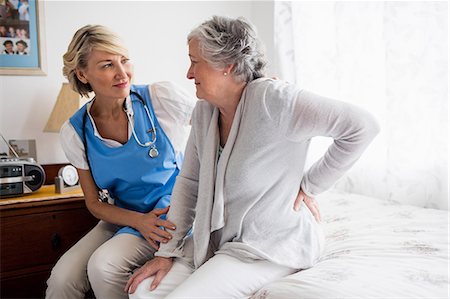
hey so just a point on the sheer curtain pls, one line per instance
(390, 58)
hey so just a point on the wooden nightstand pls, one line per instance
(36, 229)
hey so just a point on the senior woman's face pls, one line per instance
(108, 74)
(209, 82)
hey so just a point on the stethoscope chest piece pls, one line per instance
(153, 153)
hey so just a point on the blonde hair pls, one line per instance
(83, 42)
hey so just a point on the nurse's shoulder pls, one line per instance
(73, 146)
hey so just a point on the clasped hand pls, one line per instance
(151, 227)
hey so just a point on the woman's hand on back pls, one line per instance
(310, 203)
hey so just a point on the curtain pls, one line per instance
(390, 58)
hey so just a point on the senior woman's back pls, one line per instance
(243, 173)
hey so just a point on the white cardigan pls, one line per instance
(243, 204)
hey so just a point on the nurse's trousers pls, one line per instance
(222, 276)
(100, 261)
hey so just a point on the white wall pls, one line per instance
(155, 33)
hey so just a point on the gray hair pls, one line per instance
(224, 41)
(83, 42)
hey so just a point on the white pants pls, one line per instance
(100, 261)
(222, 276)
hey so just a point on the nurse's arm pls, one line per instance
(148, 224)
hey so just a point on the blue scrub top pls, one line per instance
(135, 180)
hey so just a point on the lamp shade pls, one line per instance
(67, 103)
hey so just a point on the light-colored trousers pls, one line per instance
(99, 260)
(222, 276)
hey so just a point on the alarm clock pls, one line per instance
(67, 179)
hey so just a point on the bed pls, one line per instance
(374, 249)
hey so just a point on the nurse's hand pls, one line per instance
(310, 203)
(150, 227)
(158, 266)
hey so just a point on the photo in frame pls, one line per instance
(22, 46)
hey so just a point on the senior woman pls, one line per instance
(243, 178)
(129, 139)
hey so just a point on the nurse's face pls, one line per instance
(108, 74)
(210, 83)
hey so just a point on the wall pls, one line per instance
(155, 33)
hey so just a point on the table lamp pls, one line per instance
(67, 103)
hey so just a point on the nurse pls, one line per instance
(127, 144)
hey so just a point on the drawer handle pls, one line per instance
(56, 241)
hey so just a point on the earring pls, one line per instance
(225, 73)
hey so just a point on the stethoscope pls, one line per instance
(153, 152)
(152, 144)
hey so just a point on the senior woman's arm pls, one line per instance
(183, 201)
(181, 213)
(351, 127)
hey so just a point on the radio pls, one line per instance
(19, 176)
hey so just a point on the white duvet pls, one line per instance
(374, 249)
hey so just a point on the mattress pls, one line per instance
(374, 249)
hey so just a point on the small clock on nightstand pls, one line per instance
(67, 179)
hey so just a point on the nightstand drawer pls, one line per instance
(35, 230)
(38, 239)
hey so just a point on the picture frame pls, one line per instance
(22, 38)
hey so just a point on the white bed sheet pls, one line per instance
(374, 249)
